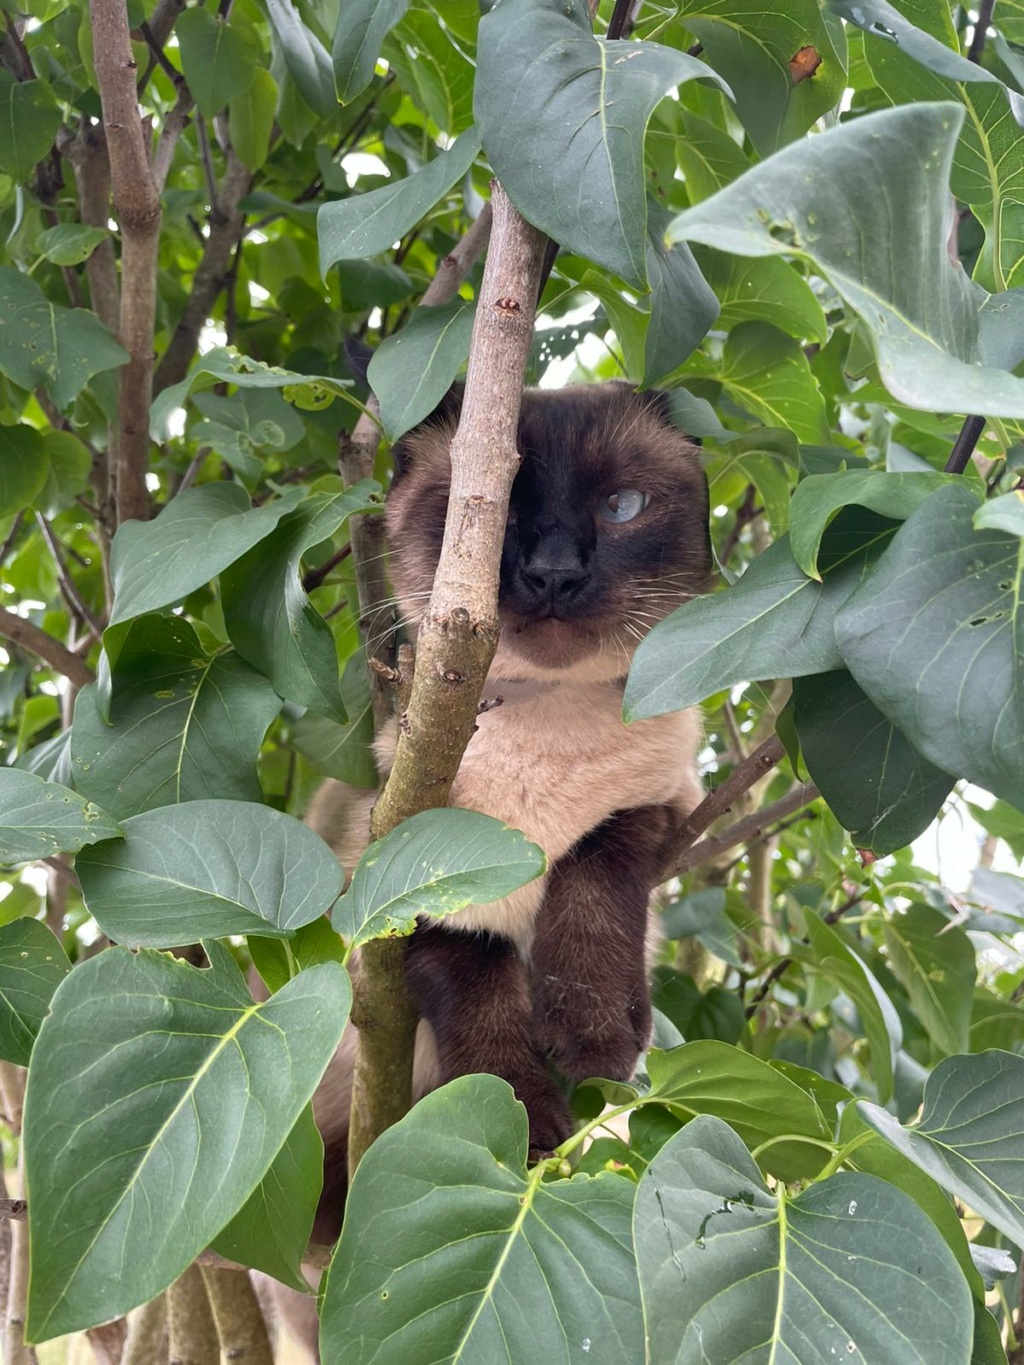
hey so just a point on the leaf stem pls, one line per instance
(843, 1154)
(570, 1144)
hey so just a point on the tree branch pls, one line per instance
(236, 1311)
(191, 1329)
(147, 1334)
(45, 647)
(784, 963)
(456, 265)
(227, 224)
(751, 829)
(977, 46)
(963, 447)
(68, 587)
(12, 1088)
(137, 203)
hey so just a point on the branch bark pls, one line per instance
(241, 1328)
(51, 651)
(147, 1334)
(751, 829)
(12, 1089)
(137, 204)
(457, 638)
(192, 1333)
(226, 225)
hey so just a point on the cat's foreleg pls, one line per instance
(473, 990)
(592, 1010)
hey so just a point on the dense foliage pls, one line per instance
(807, 223)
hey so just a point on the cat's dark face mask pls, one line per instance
(607, 530)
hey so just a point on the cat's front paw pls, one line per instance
(546, 1108)
(594, 1037)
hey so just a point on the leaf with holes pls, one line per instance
(206, 869)
(39, 819)
(166, 1143)
(847, 1269)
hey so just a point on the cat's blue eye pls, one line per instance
(624, 505)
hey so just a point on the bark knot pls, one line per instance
(508, 306)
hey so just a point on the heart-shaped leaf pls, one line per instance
(219, 59)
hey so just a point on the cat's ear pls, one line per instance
(446, 414)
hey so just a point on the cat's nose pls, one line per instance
(554, 584)
(553, 568)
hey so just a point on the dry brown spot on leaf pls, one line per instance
(804, 64)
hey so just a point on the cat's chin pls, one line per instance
(553, 650)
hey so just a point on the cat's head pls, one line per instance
(607, 529)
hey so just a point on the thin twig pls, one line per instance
(963, 447)
(45, 647)
(12, 536)
(751, 829)
(67, 584)
(985, 8)
(315, 577)
(784, 963)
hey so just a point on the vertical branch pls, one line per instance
(456, 641)
(12, 1088)
(241, 1328)
(147, 1334)
(137, 203)
(192, 1335)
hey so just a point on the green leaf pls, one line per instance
(759, 1100)
(183, 725)
(883, 20)
(774, 622)
(362, 26)
(32, 966)
(70, 243)
(218, 59)
(269, 618)
(767, 373)
(44, 344)
(831, 956)
(343, 752)
(766, 290)
(69, 467)
(934, 960)
(251, 119)
(848, 1269)
(752, 47)
(194, 538)
(876, 783)
(819, 497)
(307, 60)
(29, 120)
(39, 819)
(968, 1137)
(271, 1231)
(224, 365)
(367, 224)
(166, 1143)
(683, 306)
(207, 869)
(921, 311)
(1005, 513)
(546, 83)
(935, 638)
(412, 370)
(452, 1250)
(24, 467)
(435, 863)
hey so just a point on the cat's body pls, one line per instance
(607, 533)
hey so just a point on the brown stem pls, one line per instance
(240, 1324)
(12, 1088)
(784, 963)
(751, 829)
(226, 226)
(51, 651)
(452, 270)
(68, 587)
(314, 577)
(147, 1334)
(191, 1329)
(137, 203)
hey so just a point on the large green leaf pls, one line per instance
(166, 1143)
(819, 497)
(366, 224)
(829, 954)
(200, 532)
(70, 243)
(935, 962)
(270, 1232)
(435, 863)
(935, 637)
(42, 344)
(183, 724)
(876, 783)
(32, 966)
(767, 290)
(885, 21)
(219, 60)
(251, 119)
(307, 60)
(683, 306)
(866, 203)
(544, 82)
(968, 1137)
(206, 869)
(412, 370)
(766, 372)
(755, 48)
(29, 120)
(39, 819)
(24, 467)
(452, 1250)
(343, 752)
(762, 1102)
(774, 622)
(848, 1269)
(362, 26)
(269, 617)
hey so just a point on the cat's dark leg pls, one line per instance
(592, 1010)
(474, 991)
